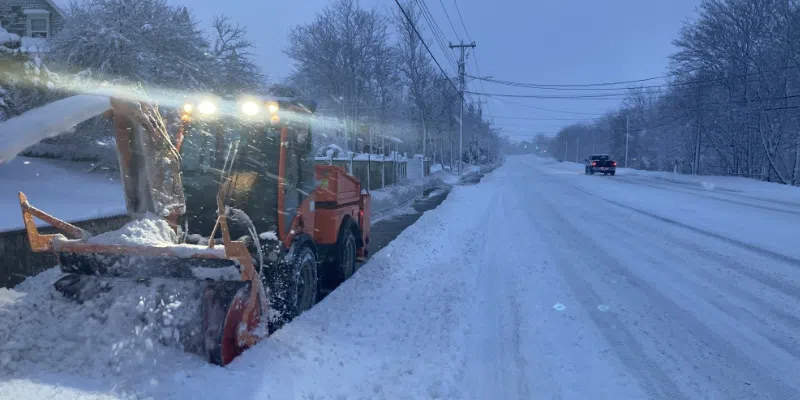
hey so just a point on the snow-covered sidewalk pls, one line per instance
(61, 188)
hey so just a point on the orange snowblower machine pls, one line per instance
(234, 230)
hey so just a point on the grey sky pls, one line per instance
(548, 42)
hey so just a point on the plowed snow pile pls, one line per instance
(120, 336)
(115, 338)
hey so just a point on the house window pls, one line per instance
(39, 27)
(38, 23)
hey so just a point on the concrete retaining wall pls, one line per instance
(18, 262)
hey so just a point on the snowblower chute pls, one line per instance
(230, 235)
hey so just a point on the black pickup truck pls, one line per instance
(601, 163)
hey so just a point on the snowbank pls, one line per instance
(53, 347)
(7, 37)
(20, 132)
(385, 200)
(60, 188)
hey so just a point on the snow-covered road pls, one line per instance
(538, 283)
(637, 287)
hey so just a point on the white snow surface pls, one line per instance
(270, 235)
(387, 201)
(149, 230)
(152, 230)
(60, 188)
(539, 282)
(33, 126)
(8, 37)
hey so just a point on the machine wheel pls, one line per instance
(223, 315)
(294, 287)
(586, 171)
(591, 172)
(613, 173)
(346, 253)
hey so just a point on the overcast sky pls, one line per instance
(532, 41)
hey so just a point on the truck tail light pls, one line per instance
(594, 163)
(614, 163)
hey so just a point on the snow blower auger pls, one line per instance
(282, 229)
(217, 319)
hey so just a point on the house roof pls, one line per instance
(59, 6)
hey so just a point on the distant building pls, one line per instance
(34, 21)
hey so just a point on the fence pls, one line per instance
(373, 174)
(758, 172)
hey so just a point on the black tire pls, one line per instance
(591, 172)
(346, 253)
(294, 288)
(586, 171)
(613, 173)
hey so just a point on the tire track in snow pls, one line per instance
(498, 368)
(647, 371)
(785, 340)
(686, 325)
(728, 192)
(765, 252)
(790, 290)
(560, 352)
(705, 194)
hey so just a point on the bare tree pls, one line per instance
(237, 72)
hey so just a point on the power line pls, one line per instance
(450, 21)
(598, 86)
(410, 22)
(475, 56)
(438, 35)
(607, 96)
(542, 85)
(542, 119)
(545, 109)
(463, 25)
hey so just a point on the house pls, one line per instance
(35, 21)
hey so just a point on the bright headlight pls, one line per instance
(206, 107)
(250, 108)
(272, 107)
(188, 107)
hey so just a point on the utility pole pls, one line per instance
(566, 146)
(461, 72)
(577, 147)
(627, 135)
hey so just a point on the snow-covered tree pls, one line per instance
(131, 41)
